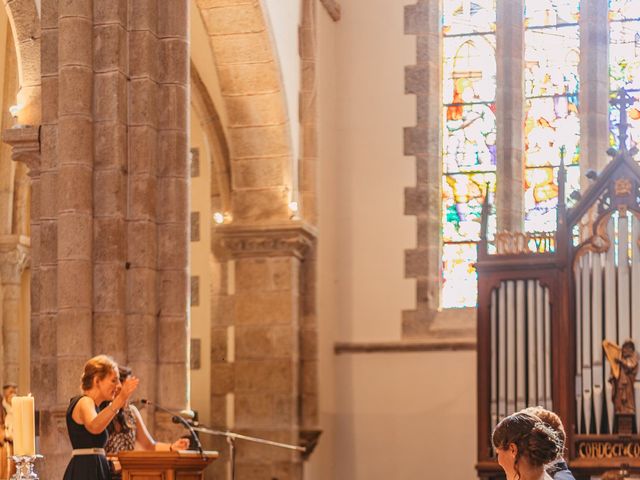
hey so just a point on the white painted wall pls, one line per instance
(369, 173)
(200, 252)
(404, 416)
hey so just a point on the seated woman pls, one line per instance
(524, 445)
(127, 431)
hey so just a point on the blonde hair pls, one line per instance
(97, 367)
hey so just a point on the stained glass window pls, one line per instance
(469, 140)
(552, 54)
(624, 61)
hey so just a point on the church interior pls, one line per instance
(372, 229)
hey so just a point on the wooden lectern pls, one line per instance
(182, 465)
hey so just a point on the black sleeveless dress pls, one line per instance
(85, 467)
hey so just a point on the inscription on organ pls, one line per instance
(600, 450)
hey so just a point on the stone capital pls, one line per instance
(15, 256)
(25, 144)
(282, 240)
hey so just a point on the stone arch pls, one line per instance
(260, 148)
(212, 126)
(25, 25)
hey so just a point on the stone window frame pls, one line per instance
(423, 141)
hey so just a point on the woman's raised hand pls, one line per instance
(127, 388)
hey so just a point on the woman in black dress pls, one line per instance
(87, 426)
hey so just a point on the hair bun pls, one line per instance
(544, 444)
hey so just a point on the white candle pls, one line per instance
(24, 440)
(16, 405)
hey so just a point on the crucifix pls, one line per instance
(621, 101)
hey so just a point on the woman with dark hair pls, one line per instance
(558, 469)
(127, 431)
(524, 445)
(87, 424)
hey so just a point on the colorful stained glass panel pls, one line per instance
(633, 119)
(624, 63)
(624, 55)
(541, 196)
(463, 195)
(624, 9)
(460, 281)
(468, 16)
(469, 69)
(551, 12)
(550, 124)
(551, 61)
(469, 138)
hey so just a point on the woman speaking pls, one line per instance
(87, 425)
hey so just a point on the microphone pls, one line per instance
(187, 414)
(177, 418)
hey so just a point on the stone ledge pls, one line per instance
(435, 345)
(241, 241)
(448, 324)
(25, 143)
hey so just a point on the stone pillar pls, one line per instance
(308, 113)
(142, 221)
(173, 206)
(8, 168)
(594, 87)
(25, 147)
(308, 181)
(109, 205)
(258, 388)
(424, 141)
(14, 258)
(73, 196)
(509, 200)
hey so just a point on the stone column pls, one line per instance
(424, 141)
(594, 87)
(308, 113)
(73, 196)
(173, 208)
(509, 200)
(308, 191)
(14, 258)
(25, 147)
(109, 205)
(258, 388)
(8, 168)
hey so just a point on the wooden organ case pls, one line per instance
(545, 305)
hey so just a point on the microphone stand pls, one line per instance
(175, 418)
(232, 437)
